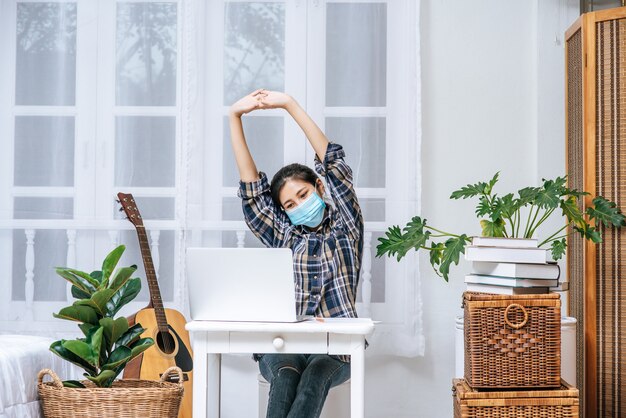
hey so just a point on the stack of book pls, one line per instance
(511, 266)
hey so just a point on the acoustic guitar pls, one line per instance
(165, 326)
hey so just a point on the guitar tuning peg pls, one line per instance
(118, 201)
(120, 210)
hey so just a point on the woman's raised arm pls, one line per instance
(245, 163)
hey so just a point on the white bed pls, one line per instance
(21, 358)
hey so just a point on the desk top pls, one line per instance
(359, 326)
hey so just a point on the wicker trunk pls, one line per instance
(512, 341)
(553, 403)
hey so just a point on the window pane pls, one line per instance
(264, 135)
(373, 209)
(43, 208)
(254, 48)
(45, 54)
(363, 139)
(356, 54)
(146, 54)
(44, 151)
(156, 208)
(145, 151)
(231, 209)
(229, 240)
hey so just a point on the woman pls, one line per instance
(326, 240)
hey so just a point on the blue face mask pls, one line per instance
(308, 213)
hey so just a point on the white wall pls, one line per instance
(492, 82)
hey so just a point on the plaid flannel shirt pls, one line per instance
(327, 261)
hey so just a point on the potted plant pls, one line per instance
(501, 216)
(107, 345)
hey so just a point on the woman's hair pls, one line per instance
(288, 172)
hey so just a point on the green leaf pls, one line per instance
(84, 276)
(549, 195)
(492, 229)
(527, 195)
(123, 296)
(589, 232)
(98, 301)
(109, 263)
(73, 384)
(470, 190)
(79, 294)
(558, 248)
(113, 329)
(88, 350)
(606, 212)
(120, 277)
(436, 254)
(130, 336)
(492, 183)
(393, 244)
(101, 378)
(84, 314)
(78, 281)
(454, 247)
(503, 207)
(570, 210)
(58, 349)
(86, 328)
(414, 235)
(140, 346)
(484, 207)
(121, 355)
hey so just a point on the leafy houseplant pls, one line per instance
(109, 343)
(501, 217)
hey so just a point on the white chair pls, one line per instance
(337, 403)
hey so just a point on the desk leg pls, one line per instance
(214, 363)
(357, 377)
(199, 376)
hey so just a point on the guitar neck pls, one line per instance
(153, 284)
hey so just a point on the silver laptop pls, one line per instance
(242, 284)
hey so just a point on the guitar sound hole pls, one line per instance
(165, 342)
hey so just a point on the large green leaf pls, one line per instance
(589, 232)
(79, 294)
(78, 281)
(140, 346)
(86, 328)
(606, 212)
(109, 263)
(79, 313)
(484, 207)
(84, 276)
(503, 207)
(98, 301)
(119, 356)
(127, 293)
(492, 183)
(73, 384)
(550, 194)
(130, 336)
(527, 195)
(120, 277)
(414, 234)
(454, 247)
(492, 229)
(470, 190)
(113, 329)
(58, 349)
(101, 379)
(88, 350)
(392, 244)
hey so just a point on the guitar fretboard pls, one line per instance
(153, 284)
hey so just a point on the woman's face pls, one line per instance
(295, 191)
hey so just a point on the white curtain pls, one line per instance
(133, 96)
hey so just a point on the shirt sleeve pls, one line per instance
(340, 185)
(266, 221)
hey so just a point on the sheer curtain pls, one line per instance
(133, 96)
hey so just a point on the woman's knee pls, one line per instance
(271, 365)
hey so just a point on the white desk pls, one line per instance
(211, 339)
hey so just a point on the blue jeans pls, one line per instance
(299, 383)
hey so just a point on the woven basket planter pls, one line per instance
(553, 403)
(127, 398)
(512, 341)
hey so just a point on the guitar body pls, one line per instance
(170, 350)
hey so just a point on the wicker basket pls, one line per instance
(128, 398)
(553, 403)
(512, 341)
